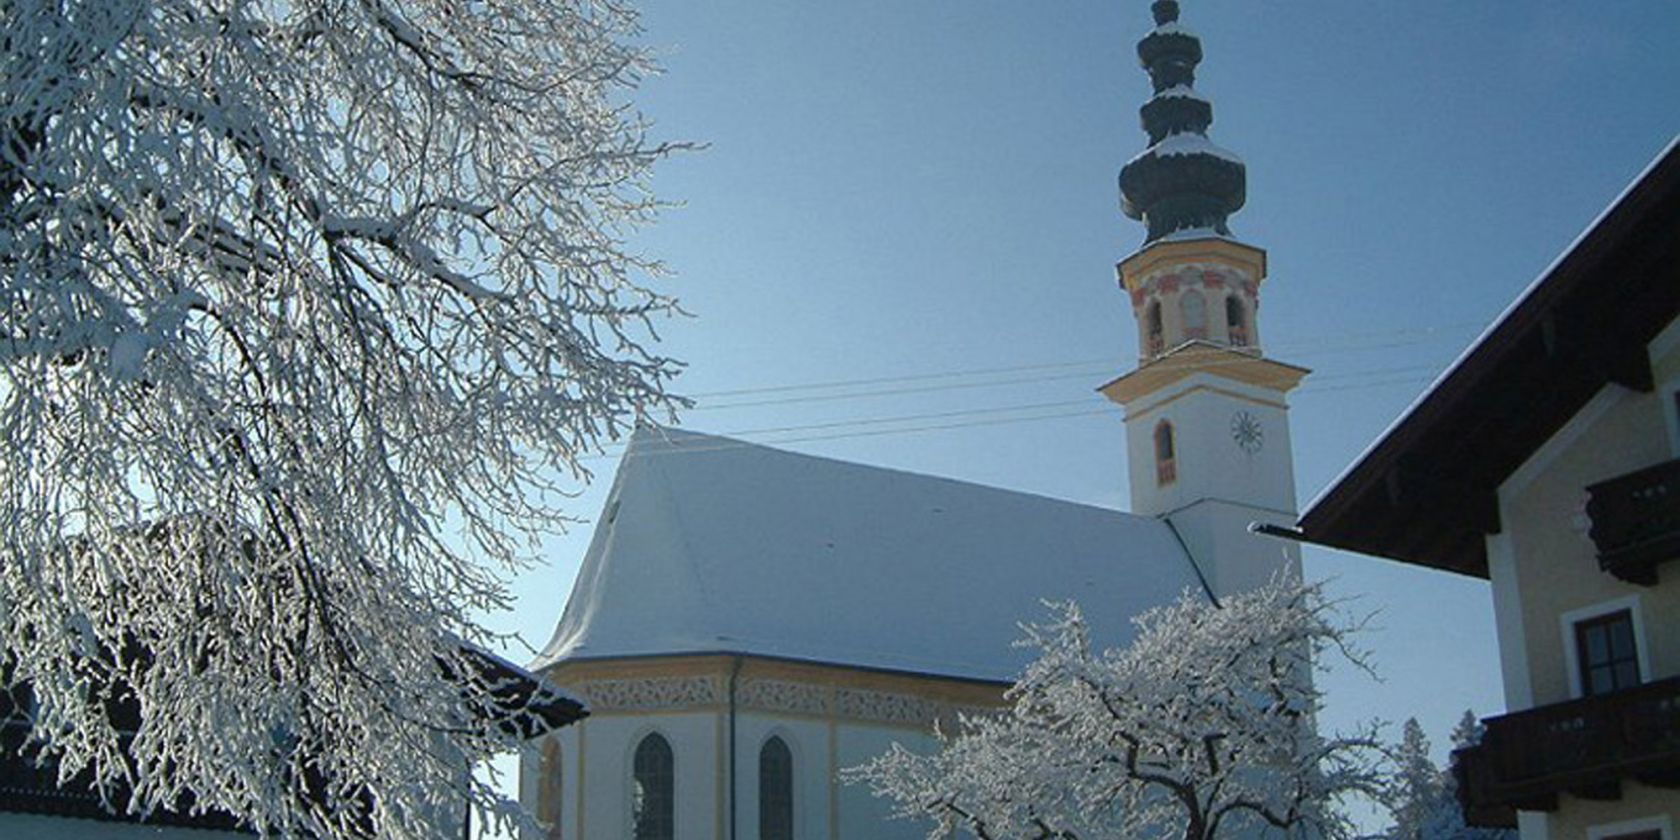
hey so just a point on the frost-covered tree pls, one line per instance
(1202, 728)
(1425, 798)
(1468, 731)
(1418, 784)
(308, 309)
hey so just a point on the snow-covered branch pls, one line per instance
(1202, 728)
(308, 311)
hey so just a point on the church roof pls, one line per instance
(713, 545)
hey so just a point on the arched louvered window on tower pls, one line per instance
(1166, 468)
(652, 793)
(1194, 308)
(1236, 322)
(1157, 341)
(775, 790)
(551, 790)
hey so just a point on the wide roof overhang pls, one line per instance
(1426, 491)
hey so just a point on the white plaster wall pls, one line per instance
(1231, 558)
(35, 827)
(1210, 463)
(824, 808)
(530, 759)
(862, 816)
(1220, 488)
(1508, 621)
(808, 739)
(598, 795)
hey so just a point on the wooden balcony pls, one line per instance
(1586, 748)
(1636, 521)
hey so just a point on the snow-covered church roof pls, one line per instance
(714, 545)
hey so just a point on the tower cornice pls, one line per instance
(1160, 254)
(1199, 357)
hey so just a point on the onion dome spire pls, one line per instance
(1182, 181)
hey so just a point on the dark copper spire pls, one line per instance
(1182, 181)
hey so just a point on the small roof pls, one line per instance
(519, 702)
(713, 545)
(1424, 492)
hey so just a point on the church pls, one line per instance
(747, 622)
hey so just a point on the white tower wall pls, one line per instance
(1205, 412)
(1229, 463)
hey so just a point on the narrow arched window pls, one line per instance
(1236, 322)
(652, 795)
(775, 791)
(1194, 308)
(550, 789)
(1166, 469)
(1157, 335)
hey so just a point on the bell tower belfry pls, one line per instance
(1207, 424)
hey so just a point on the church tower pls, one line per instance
(1207, 425)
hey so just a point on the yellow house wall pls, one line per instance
(1555, 571)
(1585, 819)
(1556, 561)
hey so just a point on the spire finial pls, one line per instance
(1182, 181)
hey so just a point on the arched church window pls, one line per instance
(1157, 335)
(775, 791)
(1194, 308)
(1166, 469)
(550, 791)
(652, 799)
(1236, 322)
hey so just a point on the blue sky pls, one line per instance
(921, 195)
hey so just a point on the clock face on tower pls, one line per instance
(1245, 430)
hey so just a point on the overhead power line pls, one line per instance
(854, 428)
(1165, 365)
(1097, 367)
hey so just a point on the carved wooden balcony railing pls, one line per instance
(1636, 521)
(1587, 748)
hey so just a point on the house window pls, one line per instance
(1236, 322)
(1647, 828)
(1157, 334)
(550, 791)
(652, 803)
(1607, 653)
(775, 791)
(1166, 469)
(1194, 308)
